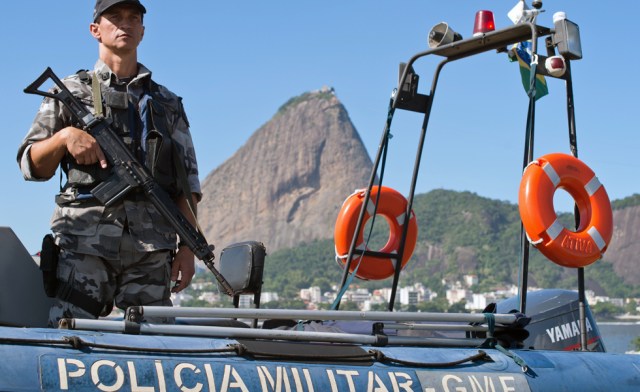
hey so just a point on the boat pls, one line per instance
(544, 340)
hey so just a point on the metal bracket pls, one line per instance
(408, 97)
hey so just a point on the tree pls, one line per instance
(284, 304)
(379, 307)
(631, 307)
(196, 303)
(606, 310)
(435, 305)
(348, 305)
(458, 307)
(323, 283)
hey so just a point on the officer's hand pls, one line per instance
(83, 147)
(183, 266)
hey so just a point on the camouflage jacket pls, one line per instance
(85, 226)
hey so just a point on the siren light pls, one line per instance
(484, 23)
(555, 65)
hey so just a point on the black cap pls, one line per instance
(103, 5)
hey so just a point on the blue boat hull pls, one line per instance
(52, 359)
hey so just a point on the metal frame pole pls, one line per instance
(573, 145)
(528, 157)
(414, 180)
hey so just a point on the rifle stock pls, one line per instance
(128, 173)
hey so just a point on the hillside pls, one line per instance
(624, 248)
(460, 233)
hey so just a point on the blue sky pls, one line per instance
(236, 62)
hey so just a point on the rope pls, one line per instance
(532, 76)
(533, 65)
(78, 344)
(491, 323)
(491, 342)
(381, 357)
(519, 361)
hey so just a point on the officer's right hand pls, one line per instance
(83, 147)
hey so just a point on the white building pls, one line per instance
(178, 298)
(268, 296)
(312, 294)
(209, 296)
(457, 294)
(359, 296)
(410, 296)
(470, 280)
(246, 301)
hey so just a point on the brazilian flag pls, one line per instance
(522, 53)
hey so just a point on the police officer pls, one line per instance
(126, 253)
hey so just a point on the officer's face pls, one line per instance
(119, 28)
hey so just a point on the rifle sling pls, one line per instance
(177, 161)
(97, 96)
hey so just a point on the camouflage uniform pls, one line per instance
(123, 251)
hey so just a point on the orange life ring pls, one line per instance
(392, 206)
(589, 241)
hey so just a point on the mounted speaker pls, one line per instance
(442, 34)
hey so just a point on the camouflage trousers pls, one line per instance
(136, 278)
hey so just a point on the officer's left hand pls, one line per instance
(183, 266)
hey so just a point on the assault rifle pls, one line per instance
(128, 173)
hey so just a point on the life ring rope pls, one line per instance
(390, 205)
(344, 256)
(540, 180)
(556, 227)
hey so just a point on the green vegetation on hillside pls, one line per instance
(287, 271)
(459, 233)
(631, 201)
(302, 98)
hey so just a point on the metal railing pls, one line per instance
(381, 324)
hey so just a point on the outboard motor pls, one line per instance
(23, 302)
(555, 321)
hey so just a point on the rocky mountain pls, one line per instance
(624, 250)
(287, 183)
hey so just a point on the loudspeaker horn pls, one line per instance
(442, 34)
